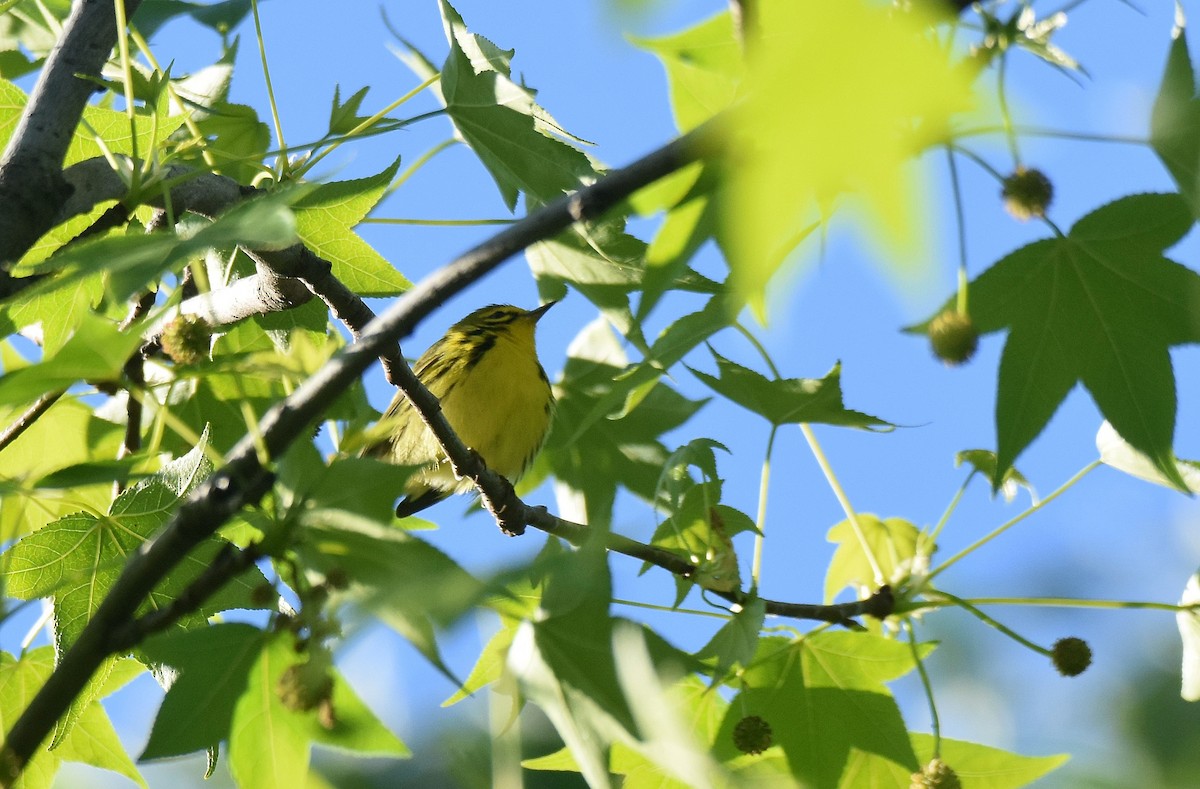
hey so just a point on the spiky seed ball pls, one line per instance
(935, 775)
(304, 686)
(752, 734)
(1027, 193)
(1071, 656)
(953, 337)
(186, 339)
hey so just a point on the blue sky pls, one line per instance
(1110, 537)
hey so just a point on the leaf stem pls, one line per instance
(130, 107)
(1014, 521)
(262, 53)
(1062, 602)
(961, 224)
(989, 621)
(844, 500)
(670, 609)
(374, 119)
(761, 515)
(935, 722)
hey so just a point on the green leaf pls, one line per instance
(133, 260)
(490, 665)
(221, 16)
(501, 122)
(984, 767)
(269, 744)
(564, 661)
(1175, 121)
(344, 117)
(76, 560)
(827, 706)
(93, 741)
(324, 218)
(238, 140)
(601, 261)
(97, 351)
(592, 455)
(1099, 306)
(66, 435)
(788, 400)
(736, 642)
(704, 64)
(984, 462)
(391, 573)
(213, 665)
(893, 543)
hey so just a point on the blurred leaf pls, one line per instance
(221, 16)
(827, 706)
(96, 351)
(564, 661)
(984, 767)
(1175, 121)
(213, 665)
(489, 667)
(269, 744)
(704, 66)
(1189, 634)
(392, 573)
(66, 435)
(788, 400)
(984, 462)
(893, 543)
(324, 218)
(839, 98)
(1119, 454)
(501, 122)
(1101, 306)
(93, 741)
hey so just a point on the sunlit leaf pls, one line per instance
(787, 400)
(324, 218)
(984, 767)
(1175, 121)
(840, 98)
(1099, 306)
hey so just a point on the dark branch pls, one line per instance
(32, 187)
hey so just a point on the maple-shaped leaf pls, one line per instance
(325, 217)
(515, 138)
(1175, 121)
(1099, 306)
(75, 561)
(840, 97)
(787, 401)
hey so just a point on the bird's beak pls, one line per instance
(540, 311)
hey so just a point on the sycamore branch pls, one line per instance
(244, 479)
(32, 186)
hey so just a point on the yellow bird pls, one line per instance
(493, 392)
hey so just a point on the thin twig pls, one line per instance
(26, 420)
